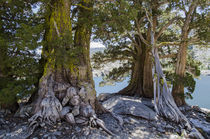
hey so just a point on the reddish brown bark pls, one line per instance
(178, 86)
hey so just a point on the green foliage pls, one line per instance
(20, 34)
(188, 81)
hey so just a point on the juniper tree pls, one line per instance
(66, 89)
(127, 35)
(193, 32)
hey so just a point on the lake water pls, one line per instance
(201, 95)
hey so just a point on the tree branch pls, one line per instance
(165, 27)
(138, 23)
(168, 43)
(168, 56)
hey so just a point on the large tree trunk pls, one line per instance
(141, 82)
(178, 86)
(66, 89)
(135, 87)
(147, 76)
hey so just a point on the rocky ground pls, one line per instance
(138, 120)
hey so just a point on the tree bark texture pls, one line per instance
(178, 86)
(141, 83)
(66, 90)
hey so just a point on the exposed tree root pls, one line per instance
(75, 106)
(164, 103)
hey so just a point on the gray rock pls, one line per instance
(57, 133)
(169, 127)
(64, 111)
(70, 118)
(195, 134)
(129, 106)
(71, 92)
(78, 129)
(87, 111)
(75, 110)
(42, 124)
(82, 93)
(75, 100)
(81, 120)
(161, 130)
(202, 124)
(86, 131)
(2, 133)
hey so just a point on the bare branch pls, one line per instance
(188, 16)
(164, 28)
(150, 20)
(168, 56)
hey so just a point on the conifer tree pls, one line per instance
(20, 32)
(195, 12)
(129, 43)
(66, 88)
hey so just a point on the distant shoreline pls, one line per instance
(205, 72)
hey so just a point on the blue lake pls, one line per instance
(201, 95)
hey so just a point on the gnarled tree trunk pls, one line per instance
(147, 76)
(141, 83)
(66, 89)
(178, 86)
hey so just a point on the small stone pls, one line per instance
(42, 124)
(86, 132)
(64, 111)
(161, 130)
(67, 128)
(87, 111)
(57, 133)
(75, 110)
(78, 129)
(70, 118)
(169, 127)
(45, 136)
(80, 121)
(71, 91)
(82, 93)
(2, 133)
(75, 100)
